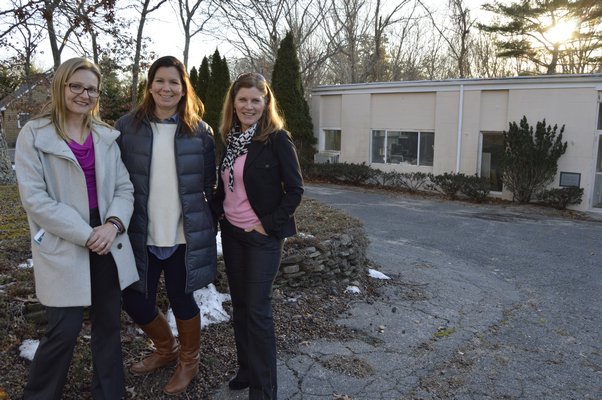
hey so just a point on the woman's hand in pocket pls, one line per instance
(258, 228)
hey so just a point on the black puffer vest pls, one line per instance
(195, 166)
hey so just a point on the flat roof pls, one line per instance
(516, 82)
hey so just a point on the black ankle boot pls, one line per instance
(238, 383)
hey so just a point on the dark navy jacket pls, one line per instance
(195, 166)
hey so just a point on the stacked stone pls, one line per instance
(341, 259)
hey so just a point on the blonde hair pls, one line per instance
(56, 111)
(270, 121)
(190, 107)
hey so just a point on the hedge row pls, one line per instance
(451, 185)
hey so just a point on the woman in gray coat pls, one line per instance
(79, 200)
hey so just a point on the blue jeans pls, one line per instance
(252, 261)
(143, 307)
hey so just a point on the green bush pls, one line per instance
(475, 187)
(531, 157)
(413, 181)
(449, 183)
(386, 178)
(355, 174)
(560, 198)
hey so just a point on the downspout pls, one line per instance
(460, 116)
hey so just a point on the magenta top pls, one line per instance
(237, 208)
(85, 156)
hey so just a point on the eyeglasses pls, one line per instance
(77, 88)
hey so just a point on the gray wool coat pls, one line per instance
(53, 191)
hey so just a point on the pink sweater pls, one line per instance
(237, 208)
(85, 156)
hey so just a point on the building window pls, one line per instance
(22, 119)
(332, 139)
(400, 147)
(492, 152)
(600, 116)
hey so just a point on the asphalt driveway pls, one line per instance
(486, 302)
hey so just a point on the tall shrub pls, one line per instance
(218, 85)
(530, 159)
(203, 80)
(286, 82)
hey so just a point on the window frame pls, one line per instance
(387, 157)
(323, 141)
(19, 115)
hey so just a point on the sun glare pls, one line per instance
(561, 32)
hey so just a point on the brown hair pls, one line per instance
(270, 121)
(190, 107)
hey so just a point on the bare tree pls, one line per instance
(486, 63)
(64, 23)
(305, 21)
(194, 15)
(256, 28)
(382, 21)
(457, 34)
(349, 30)
(25, 42)
(144, 8)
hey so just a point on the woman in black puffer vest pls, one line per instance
(170, 155)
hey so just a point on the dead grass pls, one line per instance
(310, 316)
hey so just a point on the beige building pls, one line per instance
(457, 125)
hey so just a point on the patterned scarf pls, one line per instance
(238, 144)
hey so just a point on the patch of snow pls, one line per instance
(218, 241)
(210, 302)
(28, 348)
(352, 289)
(27, 264)
(377, 274)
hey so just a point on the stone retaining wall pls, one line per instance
(307, 261)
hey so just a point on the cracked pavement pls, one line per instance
(485, 302)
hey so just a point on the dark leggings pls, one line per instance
(50, 366)
(143, 308)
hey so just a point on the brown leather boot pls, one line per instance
(188, 365)
(166, 347)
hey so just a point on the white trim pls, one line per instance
(460, 120)
(593, 81)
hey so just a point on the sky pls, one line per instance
(168, 38)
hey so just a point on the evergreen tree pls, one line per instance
(286, 83)
(114, 101)
(217, 87)
(528, 28)
(194, 79)
(203, 79)
(530, 160)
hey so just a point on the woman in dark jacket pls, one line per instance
(260, 187)
(170, 155)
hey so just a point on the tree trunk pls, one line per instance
(136, 67)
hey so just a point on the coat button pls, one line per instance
(119, 246)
